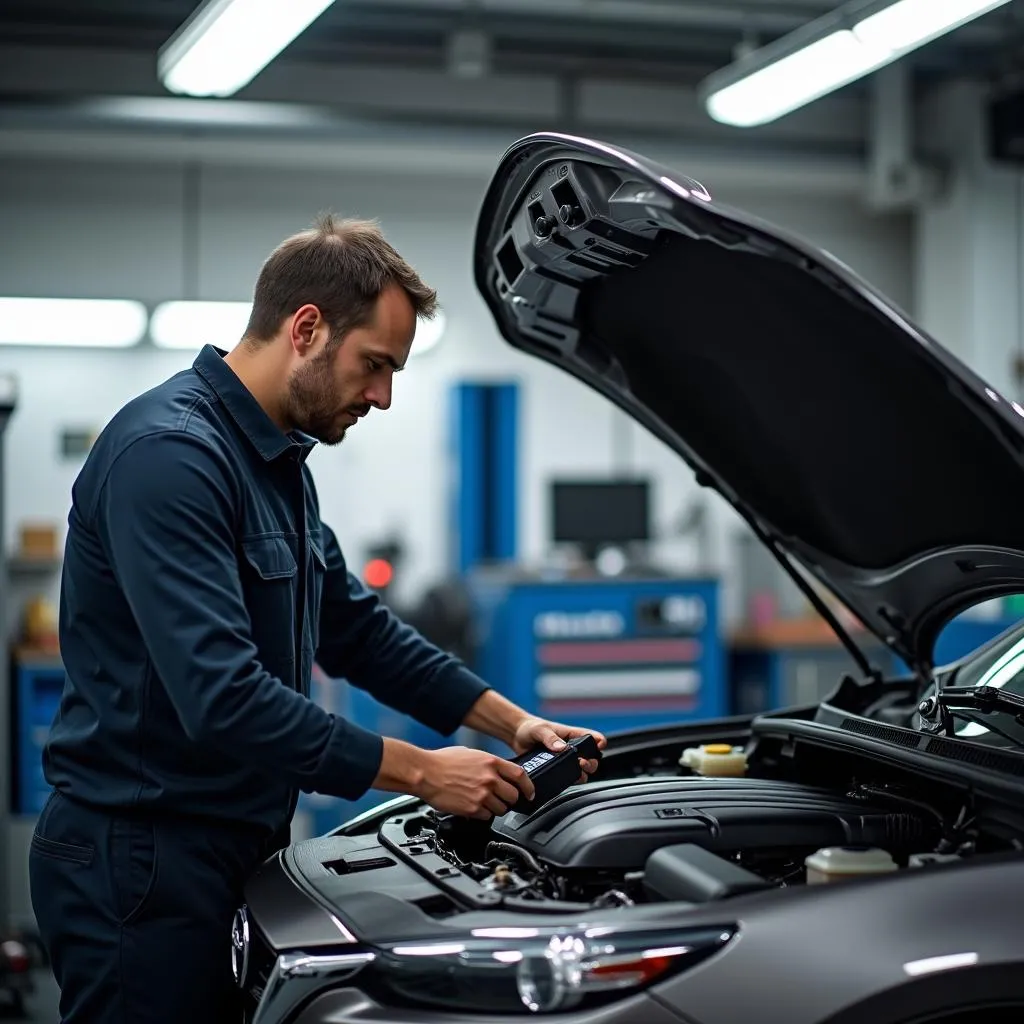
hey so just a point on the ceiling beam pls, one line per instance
(738, 15)
(68, 79)
(452, 153)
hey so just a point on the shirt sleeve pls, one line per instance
(363, 641)
(166, 516)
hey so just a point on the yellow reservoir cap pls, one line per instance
(715, 759)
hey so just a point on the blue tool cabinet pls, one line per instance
(38, 684)
(611, 654)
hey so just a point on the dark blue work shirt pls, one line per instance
(199, 585)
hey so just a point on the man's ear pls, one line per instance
(302, 334)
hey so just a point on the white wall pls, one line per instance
(969, 242)
(96, 230)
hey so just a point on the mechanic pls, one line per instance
(199, 584)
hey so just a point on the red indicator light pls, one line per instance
(378, 573)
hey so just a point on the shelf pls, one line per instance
(26, 565)
(785, 633)
(37, 657)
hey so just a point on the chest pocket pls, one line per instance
(269, 579)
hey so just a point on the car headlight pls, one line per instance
(536, 970)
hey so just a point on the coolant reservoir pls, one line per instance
(715, 759)
(839, 863)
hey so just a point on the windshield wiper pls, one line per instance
(940, 710)
(989, 725)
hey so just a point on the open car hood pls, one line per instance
(854, 444)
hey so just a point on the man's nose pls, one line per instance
(379, 395)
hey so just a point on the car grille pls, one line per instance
(261, 962)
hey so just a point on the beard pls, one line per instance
(314, 401)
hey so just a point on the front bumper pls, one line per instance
(348, 1005)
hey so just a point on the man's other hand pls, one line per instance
(473, 783)
(538, 732)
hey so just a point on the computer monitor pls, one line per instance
(600, 513)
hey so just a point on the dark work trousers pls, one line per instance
(136, 913)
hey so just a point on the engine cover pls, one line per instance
(618, 824)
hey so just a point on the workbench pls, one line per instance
(799, 661)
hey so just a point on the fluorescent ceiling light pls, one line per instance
(824, 56)
(191, 325)
(909, 24)
(88, 323)
(806, 75)
(225, 44)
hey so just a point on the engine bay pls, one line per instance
(618, 844)
(740, 809)
(677, 834)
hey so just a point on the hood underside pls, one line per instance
(862, 450)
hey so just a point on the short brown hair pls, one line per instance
(341, 267)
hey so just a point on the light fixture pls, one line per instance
(225, 43)
(784, 85)
(378, 573)
(86, 323)
(191, 325)
(908, 24)
(828, 53)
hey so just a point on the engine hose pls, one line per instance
(884, 794)
(510, 850)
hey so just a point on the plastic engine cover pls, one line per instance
(617, 825)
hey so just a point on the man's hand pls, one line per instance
(456, 780)
(473, 783)
(497, 716)
(538, 732)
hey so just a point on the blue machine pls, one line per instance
(612, 654)
(38, 685)
(482, 451)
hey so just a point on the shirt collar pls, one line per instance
(266, 436)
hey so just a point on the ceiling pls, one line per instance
(618, 65)
(671, 39)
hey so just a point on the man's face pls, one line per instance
(335, 387)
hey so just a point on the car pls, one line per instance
(856, 860)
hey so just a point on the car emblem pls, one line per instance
(240, 946)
